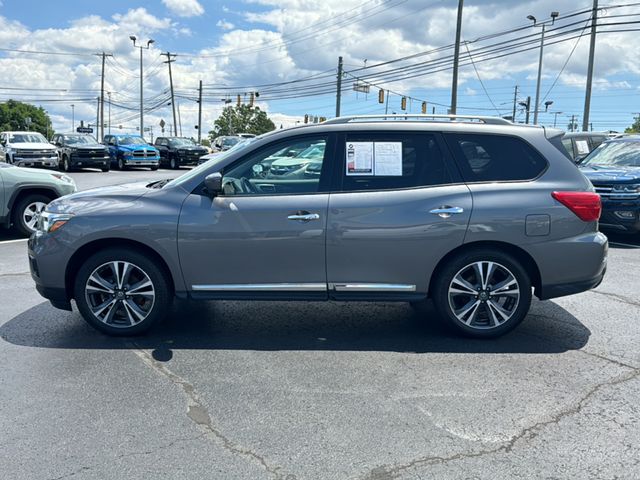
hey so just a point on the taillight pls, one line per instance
(586, 205)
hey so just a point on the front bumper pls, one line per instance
(141, 162)
(47, 263)
(35, 161)
(620, 215)
(184, 159)
(83, 161)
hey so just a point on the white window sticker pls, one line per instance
(359, 158)
(583, 146)
(388, 159)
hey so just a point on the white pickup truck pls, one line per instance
(28, 149)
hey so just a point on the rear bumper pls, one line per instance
(570, 265)
(564, 289)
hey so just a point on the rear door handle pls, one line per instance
(304, 216)
(446, 211)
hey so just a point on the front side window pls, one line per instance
(495, 158)
(382, 161)
(291, 167)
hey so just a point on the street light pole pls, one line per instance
(141, 47)
(536, 106)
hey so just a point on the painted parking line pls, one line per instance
(3, 242)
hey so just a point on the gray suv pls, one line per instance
(474, 213)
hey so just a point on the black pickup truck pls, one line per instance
(614, 170)
(178, 151)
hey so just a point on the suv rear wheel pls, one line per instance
(121, 292)
(483, 293)
(27, 211)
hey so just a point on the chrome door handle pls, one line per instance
(446, 211)
(304, 217)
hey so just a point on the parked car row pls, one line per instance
(71, 151)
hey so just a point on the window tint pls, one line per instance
(396, 161)
(494, 158)
(568, 144)
(291, 167)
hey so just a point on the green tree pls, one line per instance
(16, 115)
(241, 119)
(635, 128)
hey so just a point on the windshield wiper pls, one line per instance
(159, 183)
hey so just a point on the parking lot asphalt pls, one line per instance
(300, 390)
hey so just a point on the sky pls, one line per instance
(287, 51)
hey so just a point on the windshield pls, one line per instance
(213, 160)
(132, 141)
(79, 139)
(229, 141)
(618, 154)
(27, 138)
(181, 142)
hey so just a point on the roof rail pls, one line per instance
(414, 117)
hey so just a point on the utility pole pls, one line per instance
(97, 116)
(109, 93)
(179, 118)
(592, 51)
(386, 107)
(456, 60)
(169, 61)
(200, 112)
(515, 101)
(73, 117)
(573, 122)
(100, 126)
(339, 87)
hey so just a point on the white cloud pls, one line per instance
(184, 8)
(223, 24)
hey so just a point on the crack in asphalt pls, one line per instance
(198, 413)
(76, 472)
(620, 298)
(389, 472)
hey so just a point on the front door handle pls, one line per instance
(304, 216)
(446, 211)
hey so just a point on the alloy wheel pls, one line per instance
(120, 294)
(31, 214)
(484, 295)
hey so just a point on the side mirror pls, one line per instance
(213, 183)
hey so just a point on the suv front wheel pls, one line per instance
(27, 211)
(121, 292)
(483, 293)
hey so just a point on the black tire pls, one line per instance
(118, 325)
(488, 322)
(18, 211)
(121, 164)
(105, 169)
(8, 159)
(66, 166)
(174, 164)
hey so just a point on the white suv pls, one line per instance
(28, 149)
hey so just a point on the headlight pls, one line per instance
(128, 155)
(63, 178)
(50, 222)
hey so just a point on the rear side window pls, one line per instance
(380, 161)
(495, 158)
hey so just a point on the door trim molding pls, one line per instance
(372, 287)
(262, 287)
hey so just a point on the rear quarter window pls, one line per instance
(495, 158)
